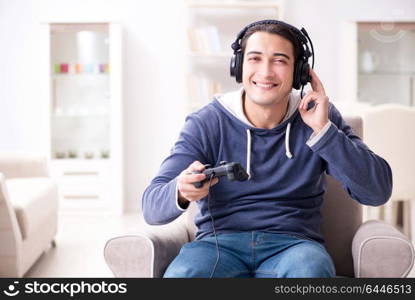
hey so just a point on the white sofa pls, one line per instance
(28, 211)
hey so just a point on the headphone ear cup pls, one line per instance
(297, 74)
(238, 66)
(233, 66)
(305, 74)
(301, 74)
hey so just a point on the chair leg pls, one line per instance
(406, 230)
(411, 219)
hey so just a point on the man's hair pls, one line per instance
(274, 29)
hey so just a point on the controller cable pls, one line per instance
(213, 226)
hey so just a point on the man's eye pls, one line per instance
(280, 61)
(253, 58)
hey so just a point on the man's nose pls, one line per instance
(266, 70)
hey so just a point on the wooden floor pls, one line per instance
(80, 243)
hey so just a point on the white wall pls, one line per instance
(154, 49)
(326, 22)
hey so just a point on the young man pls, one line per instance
(268, 226)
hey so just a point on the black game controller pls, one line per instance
(232, 170)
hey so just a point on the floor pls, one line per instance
(80, 243)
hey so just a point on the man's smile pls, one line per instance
(265, 85)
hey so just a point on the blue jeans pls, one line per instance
(252, 254)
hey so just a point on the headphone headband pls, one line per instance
(299, 34)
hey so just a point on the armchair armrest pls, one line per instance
(10, 235)
(16, 165)
(380, 250)
(146, 253)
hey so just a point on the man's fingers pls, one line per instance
(312, 96)
(215, 180)
(196, 166)
(205, 186)
(306, 100)
(199, 177)
(192, 193)
(193, 177)
(190, 189)
(316, 84)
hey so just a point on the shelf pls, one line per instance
(219, 55)
(81, 116)
(232, 4)
(78, 74)
(79, 160)
(403, 73)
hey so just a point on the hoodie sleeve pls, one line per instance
(366, 176)
(159, 201)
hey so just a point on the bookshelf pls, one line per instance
(211, 28)
(83, 104)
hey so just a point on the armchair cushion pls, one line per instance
(380, 250)
(146, 253)
(34, 200)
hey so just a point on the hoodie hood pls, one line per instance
(233, 103)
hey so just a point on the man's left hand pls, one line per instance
(317, 116)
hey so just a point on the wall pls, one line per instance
(153, 86)
(154, 50)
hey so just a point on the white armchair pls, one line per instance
(388, 131)
(28, 211)
(370, 249)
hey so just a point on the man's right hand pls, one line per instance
(187, 191)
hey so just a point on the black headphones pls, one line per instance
(301, 68)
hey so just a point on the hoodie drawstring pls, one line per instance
(248, 153)
(248, 148)
(287, 141)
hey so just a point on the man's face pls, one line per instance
(268, 68)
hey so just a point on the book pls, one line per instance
(205, 39)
